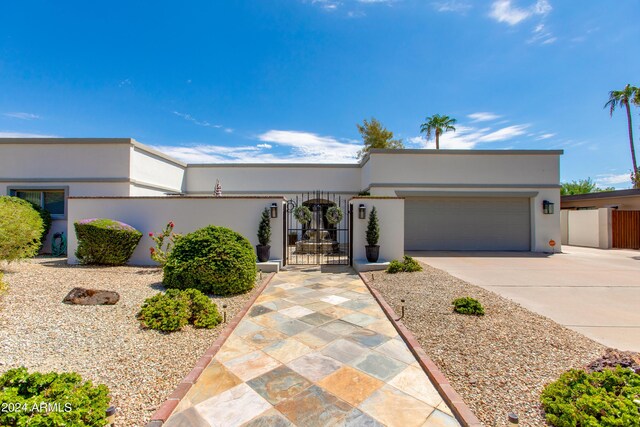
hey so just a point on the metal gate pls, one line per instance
(316, 229)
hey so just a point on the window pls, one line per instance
(51, 200)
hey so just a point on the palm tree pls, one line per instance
(437, 124)
(619, 98)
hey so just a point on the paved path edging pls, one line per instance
(460, 410)
(166, 409)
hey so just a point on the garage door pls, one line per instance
(468, 224)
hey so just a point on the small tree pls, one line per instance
(437, 125)
(21, 229)
(373, 228)
(374, 135)
(264, 228)
(581, 186)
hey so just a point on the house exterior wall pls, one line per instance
(391, 220)
(630, 203)
(590, 228)
(153, 173)
(151, 214)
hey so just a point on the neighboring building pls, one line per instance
(624, 200)
(453, 199)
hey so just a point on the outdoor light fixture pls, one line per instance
(547, 207)
(362, 211)
(111, 415)
(511, 417)
(274, 210)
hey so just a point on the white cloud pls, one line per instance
(506, 11)
(608, 180)
(483, 116)
(267, 146)
(22, 116)
(452, 6)
(545, 136)
(307, 146)
(468, 137)
(190, 118)
(24, 135)
(125, 82)
(504, 133)
(203, 153)
(542, 35)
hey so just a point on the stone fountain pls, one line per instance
(317, 240)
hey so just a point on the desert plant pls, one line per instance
(160, 252)
(105, 241)
(604, 398)
(437, 125)
(373, 228)
(407, 265)
(21, 229)
(51, 399)
(172, 310)
(468, 305)
(622, 98)
(264, 228)
(374, 135)
(214, 260)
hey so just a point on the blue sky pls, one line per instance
(287, 80)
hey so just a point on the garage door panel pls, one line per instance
(442, 223)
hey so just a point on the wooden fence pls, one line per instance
(625, 229)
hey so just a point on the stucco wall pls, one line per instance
(272, 179)
(631, 203)
(590, 228)
(151, 214)
(391, 219)
(150, 171)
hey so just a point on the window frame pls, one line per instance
(11, 191)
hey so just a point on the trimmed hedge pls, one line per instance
(408, 265)
(52, 400)
(214, 260)
(468, 305)
(105, 241)
(21, 229)
(172, 310)
(604, 398)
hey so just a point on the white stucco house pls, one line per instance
(477, 200)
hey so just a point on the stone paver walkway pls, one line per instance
(314, 350)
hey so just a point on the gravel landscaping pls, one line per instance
(102, 343)
(500, 362)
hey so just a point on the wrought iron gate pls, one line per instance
(316, 229)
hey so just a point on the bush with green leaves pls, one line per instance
(214, 260)
(3, 285)
(264, 228)
(21, 229)
(407, 265)
(604, 398)
(51, 399)
(468, 305)
(46, 222)
(172, 310)
(105, 241)
(373, 228)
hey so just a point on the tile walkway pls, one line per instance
(314, 350)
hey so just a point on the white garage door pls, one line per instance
(467, 224)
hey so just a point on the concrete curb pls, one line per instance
(460, 409)
(166, 409)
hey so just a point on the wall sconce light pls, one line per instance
(362, 211)
(274, 210)
(547, 207)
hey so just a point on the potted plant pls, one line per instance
(264, 236)
(373, 235)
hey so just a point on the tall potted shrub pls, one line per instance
(373, 235)
(264, 236)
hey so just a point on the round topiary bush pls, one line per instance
(468, 305)
(21, 229)
(603, 398)
(214, 260)
(52, 399)
(105, 241)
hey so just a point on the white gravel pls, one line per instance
(498, 363)
(102, 343)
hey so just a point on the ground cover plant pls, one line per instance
(105, 241)
(51, 399)
(172, 310)
(407, 265)
(602, 398)
(468, 305)
(21, 229)
(214, 260)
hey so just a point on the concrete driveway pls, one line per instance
(592, 291)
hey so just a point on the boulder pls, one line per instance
(82, 296)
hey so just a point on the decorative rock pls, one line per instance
(82, 296)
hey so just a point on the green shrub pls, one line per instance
(214, 260)
(373, 228)
(264, 228)
(603, 398)
(3, 284)
(46, 222)
(408, 265)
(172, 310)
(105, 241)
(71, 402)
(21, 229)
(468, 305)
